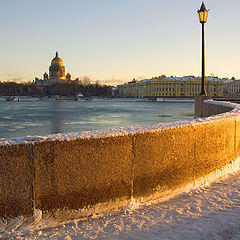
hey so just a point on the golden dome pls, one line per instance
(57, 61)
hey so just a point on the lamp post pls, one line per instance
(203, 14)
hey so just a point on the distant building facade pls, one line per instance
(171, 87)
(56, 73)
(231, 88)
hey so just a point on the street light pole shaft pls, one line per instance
(203, 91)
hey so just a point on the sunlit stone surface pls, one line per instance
(209, 212)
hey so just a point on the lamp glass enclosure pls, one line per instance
(203, 16)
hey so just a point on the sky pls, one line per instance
(116, 41)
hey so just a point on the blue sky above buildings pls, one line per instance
(115, 41)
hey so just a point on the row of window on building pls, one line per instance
(179, 86)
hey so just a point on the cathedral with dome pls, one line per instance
(56, 73)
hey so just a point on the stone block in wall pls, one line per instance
(16, 180)
(223, 109)
(209, 109)
(237, 143)
(214, 145)
(79, 173)
(214, 109)
(163, 161)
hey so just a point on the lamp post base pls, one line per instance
(198, 110)
(203, 93)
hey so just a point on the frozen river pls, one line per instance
(34, 117)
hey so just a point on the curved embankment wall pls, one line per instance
(82, 170)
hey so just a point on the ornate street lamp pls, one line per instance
(203, 14)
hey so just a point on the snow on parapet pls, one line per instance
(91, 134)
(223, 103)
(126, 131)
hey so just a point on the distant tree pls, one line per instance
(98, 83)
(62, 89)
(85, 81)
(19, 89)
(73, 88)
(212, 75)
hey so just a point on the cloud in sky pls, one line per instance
(18, 80)
(113, 80)
(15, 77)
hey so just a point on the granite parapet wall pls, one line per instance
(164, 161)
(16, 180)
(205, 108)
(81, 172)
